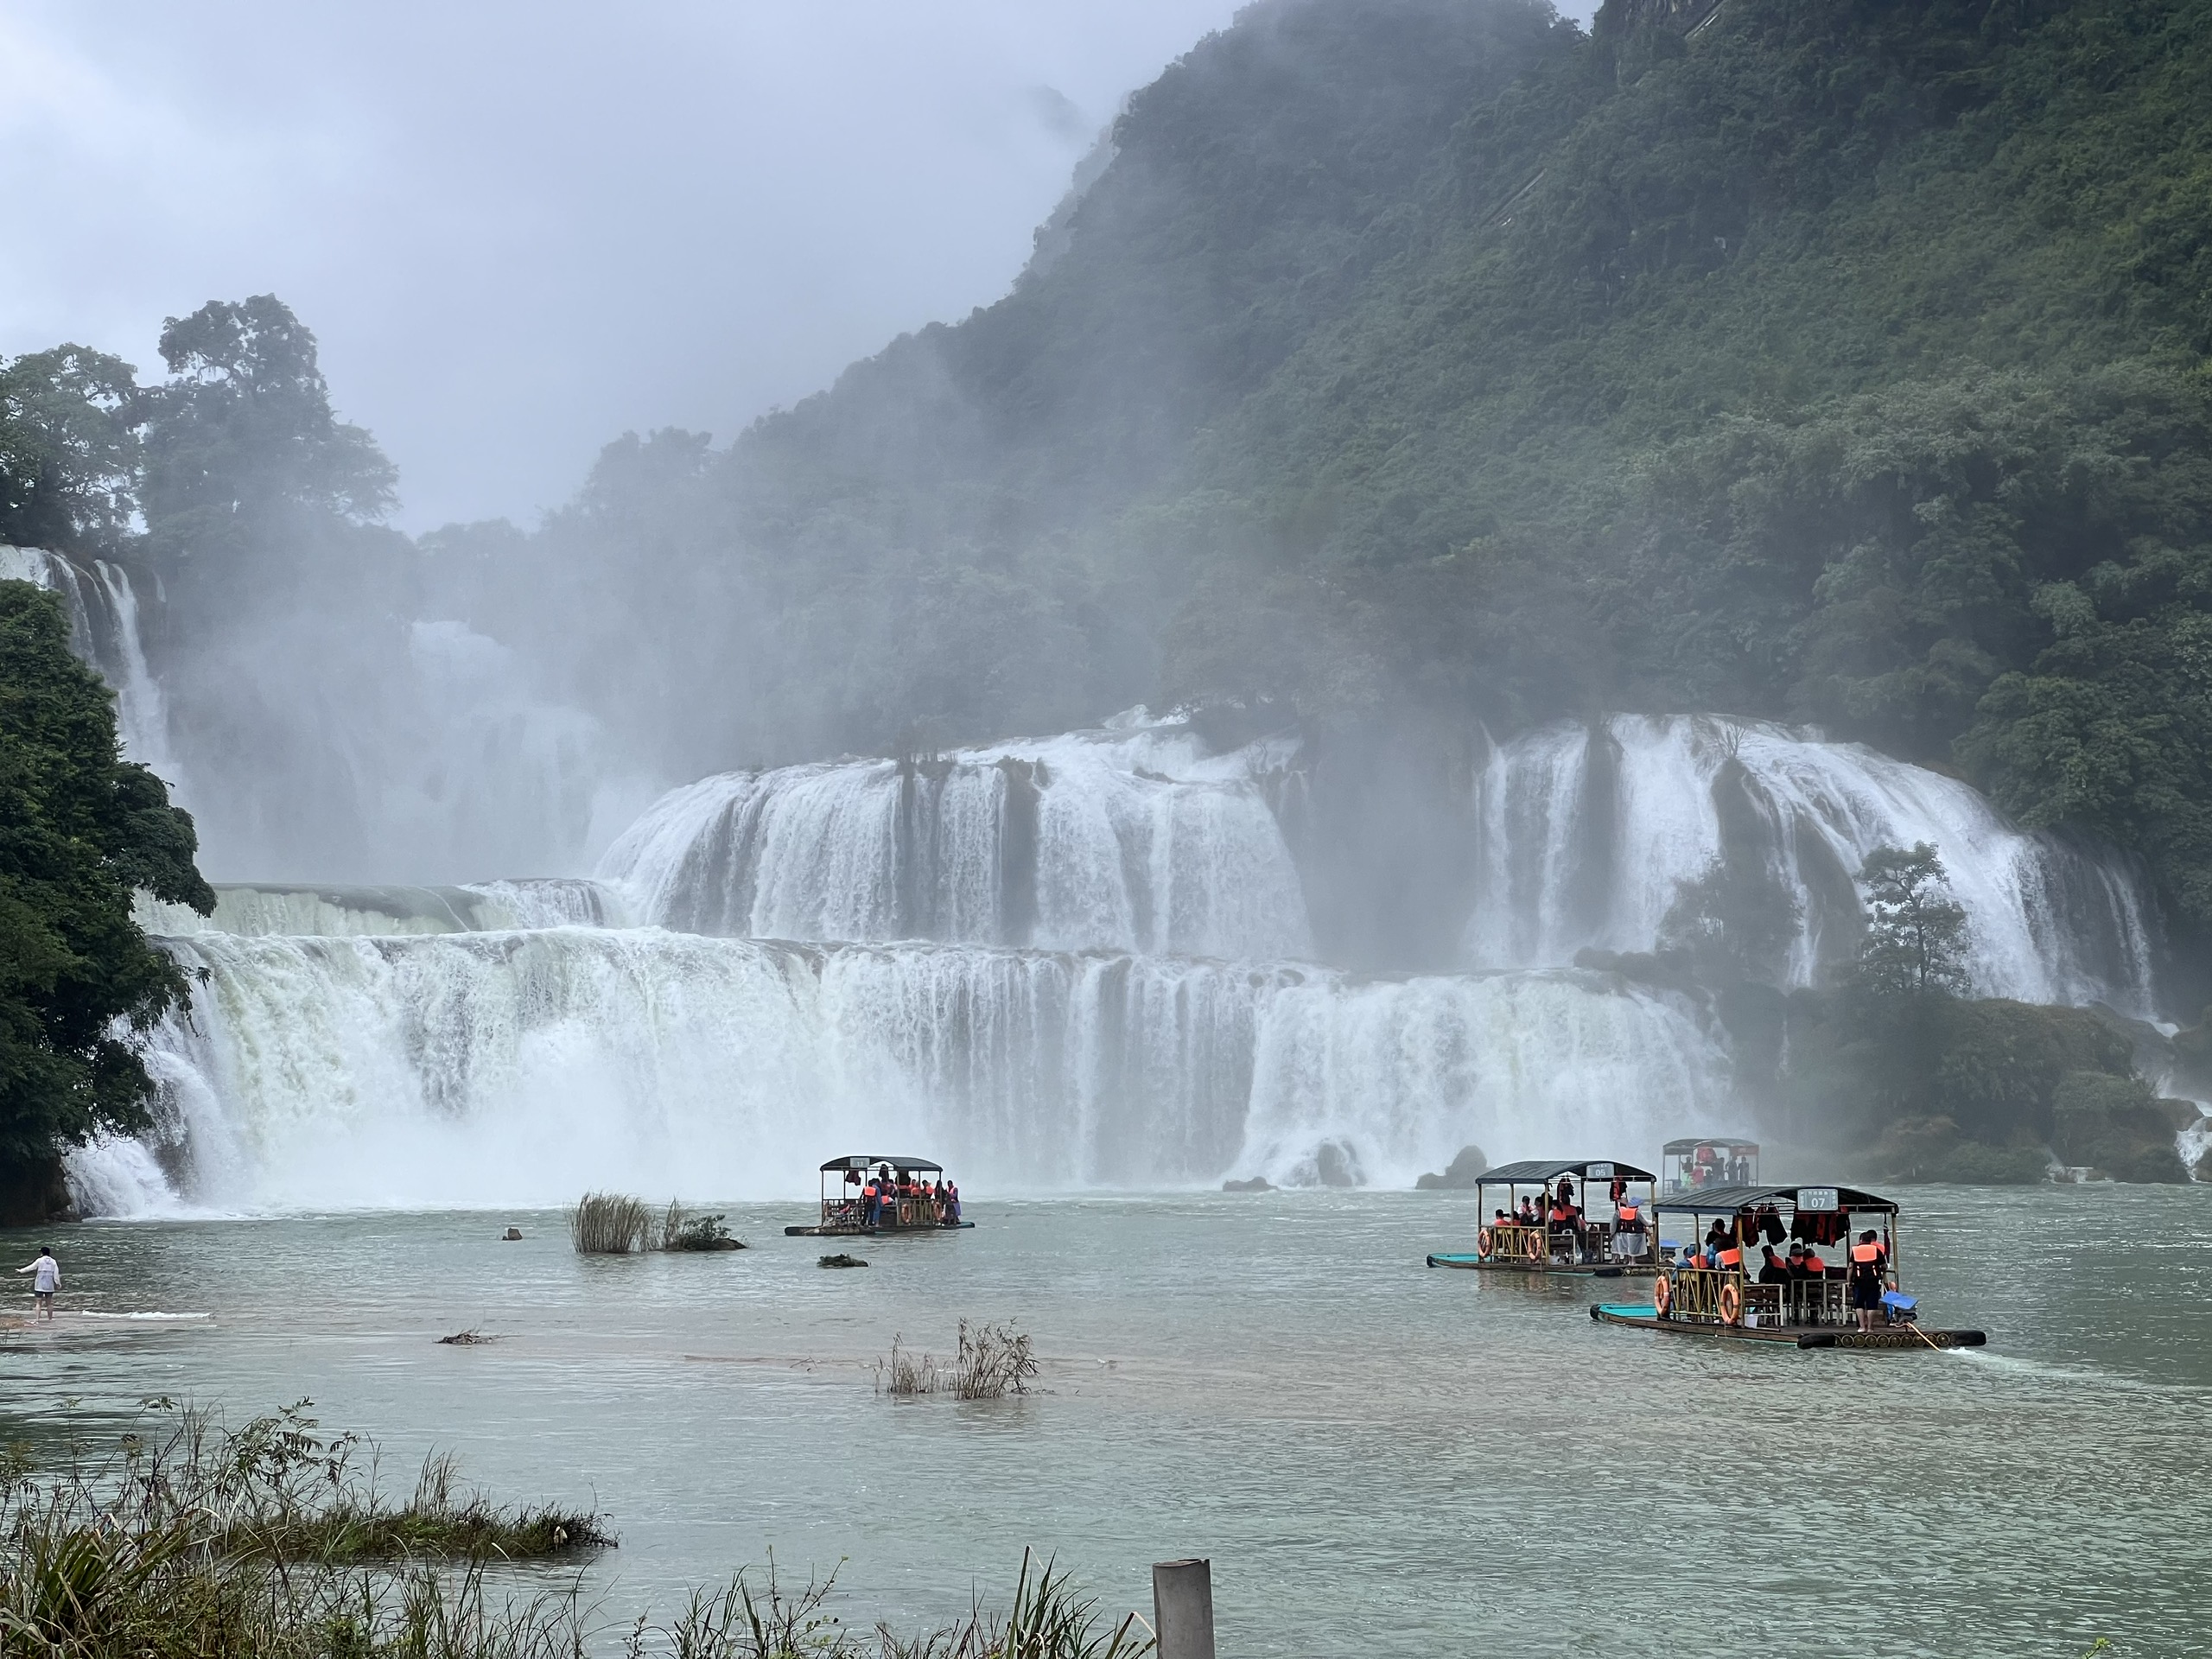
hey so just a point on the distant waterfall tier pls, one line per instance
(1129, 839)
(1587, 832)
(481, 1068)
(104, 633)
(260, 910)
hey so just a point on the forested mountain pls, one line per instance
(1839, 361)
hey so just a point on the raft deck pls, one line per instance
(1477, 1263)
(1887, 1337)
(843, 1231)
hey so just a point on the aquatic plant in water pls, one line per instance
(991, 1361)
(610, 1223)
(682, 1230)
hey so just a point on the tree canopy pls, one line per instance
(80, 828)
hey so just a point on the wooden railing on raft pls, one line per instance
(903, 1212)
(1514, 1241)
(1698, 1294)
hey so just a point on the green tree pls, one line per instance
(68, 450)
(1916, 931)
(80, 828)
(247, 468)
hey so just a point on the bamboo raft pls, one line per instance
(1901, 1337)
(1710, 1290)
(1580, 1270)
(1590, 1248)
(845, 1215)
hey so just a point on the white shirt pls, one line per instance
(49, 1276)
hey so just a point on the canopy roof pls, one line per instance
(870, 1159)
(1726, 1200)
(1537, 1170)
(1733, 1142)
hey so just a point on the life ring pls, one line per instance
(1731, 1305)
(1483, 1240)
(1534, 1248)
(1662, 1295)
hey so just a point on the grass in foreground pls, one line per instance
(272, 1543)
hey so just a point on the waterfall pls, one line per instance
(257, 912)
(1585, 831)
(1129, 838)
(523, 1067)
(104, 634)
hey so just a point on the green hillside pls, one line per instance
(1839, 361)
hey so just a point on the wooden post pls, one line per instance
(1182, 1608)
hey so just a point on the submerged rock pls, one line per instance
(510, 1235)
(841, 1260)
(1257, 1183)
(1458, 1175)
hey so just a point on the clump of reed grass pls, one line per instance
(682, 1230)
(610, 1223)
(990, 1361)
(269, 1540)
(272, 1543)
(1048, 1618)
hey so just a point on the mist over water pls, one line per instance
(1079, 960)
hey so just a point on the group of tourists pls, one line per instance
(1554, 1209)
(1866, 1267)
(902, 1198)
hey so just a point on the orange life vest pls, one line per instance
(1864, 1253)
(1628, 1213)
(1731, 1257)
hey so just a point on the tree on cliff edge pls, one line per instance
(79, 829)
(1916, 931)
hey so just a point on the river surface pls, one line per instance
(1379, 1457)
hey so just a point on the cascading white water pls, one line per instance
(346, 911)
(1586, 833)
(1128, 838)
(524, 1067)
(104, 634)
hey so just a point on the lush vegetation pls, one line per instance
(1937, 1085)
(80, 828)
(269, 1543)
(1842, 362)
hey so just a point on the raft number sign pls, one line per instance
(1816, 1198)
(1598, 1172)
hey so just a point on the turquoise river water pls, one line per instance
(1379, 1457)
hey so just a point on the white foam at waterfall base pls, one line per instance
(485, 1069)
(115, 1175)
(2047, 922)
(1144, 841)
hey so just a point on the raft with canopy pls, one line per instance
(1810, 1310)
(907, 1200)
(1688, 1165)
(1622, 1240)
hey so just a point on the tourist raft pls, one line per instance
(876, 1194)
(1733, 1281)
(1551, 1231)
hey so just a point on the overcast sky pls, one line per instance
(520, 229)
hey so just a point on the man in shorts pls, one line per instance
(49, 1281)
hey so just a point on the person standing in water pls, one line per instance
(49, 1281)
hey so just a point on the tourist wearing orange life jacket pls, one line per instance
(1628, 1226)
(1869, 1271)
